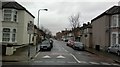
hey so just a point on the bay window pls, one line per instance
(9, 35)
(6, 34)
(14, 35)
(115, 38)
(114, 21)
(10, 15)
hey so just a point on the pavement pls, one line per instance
(21, 54)
(105, 54)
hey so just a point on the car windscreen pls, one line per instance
(78, 44)
(45, 42)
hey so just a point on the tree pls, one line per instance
(75, 23)
(75, 20)
(47, 32)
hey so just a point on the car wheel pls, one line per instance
(49, 49)
(67, 44)
(118, 53)
(108, 51)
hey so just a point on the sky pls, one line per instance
(56, 18)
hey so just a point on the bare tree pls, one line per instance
(75, 20)
(75, 23)
(46, 31)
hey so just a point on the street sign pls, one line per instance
(30, 28)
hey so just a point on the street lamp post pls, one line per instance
(38, 26)
(38, 15)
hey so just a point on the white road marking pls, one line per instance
(79, 53)
(75, 58)
(83, 62)
(104, 63)
(60, 57)
(64, 49)
(94, 63)
(37, 54)
(46, 56)
(115, 64)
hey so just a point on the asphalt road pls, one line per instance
(64, 55)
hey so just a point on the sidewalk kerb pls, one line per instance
(117, 61)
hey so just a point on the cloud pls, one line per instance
(56, 18)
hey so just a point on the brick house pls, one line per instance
(106, 28)
(86, 34)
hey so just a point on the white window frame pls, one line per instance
(11, 35)
(117, 33)
(5, 37)
(117, 24)
(12, 14)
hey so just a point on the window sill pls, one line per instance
(10, 21)
(114, 26)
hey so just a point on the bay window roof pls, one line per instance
(15, 5)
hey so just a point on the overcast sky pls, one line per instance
(56, 18)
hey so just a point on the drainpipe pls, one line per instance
(109, 30)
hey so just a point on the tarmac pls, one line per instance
(21, 54)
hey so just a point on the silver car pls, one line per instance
(114, 49)
(78, 46)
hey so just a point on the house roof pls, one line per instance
(113, 10)
(15, 5)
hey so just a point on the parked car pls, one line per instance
(78, 46)
(46, 45)
(70, 43)
(51, 43)
(114, 49)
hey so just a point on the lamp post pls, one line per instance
(38, 15)
(38, 26)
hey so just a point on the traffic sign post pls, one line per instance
(30, 30)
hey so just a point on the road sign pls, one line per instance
(30, 28)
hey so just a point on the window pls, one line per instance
(114, 21)
(6, 34)
(13, 35)
(7, 15)
(15, 16)
(10, 15)
(113, 39)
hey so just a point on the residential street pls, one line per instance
(64, 55)
(70, 33)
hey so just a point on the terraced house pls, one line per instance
(106, 28)
(13, 25)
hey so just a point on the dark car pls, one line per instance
(51, 43)
(78, 46)
(45, 46)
